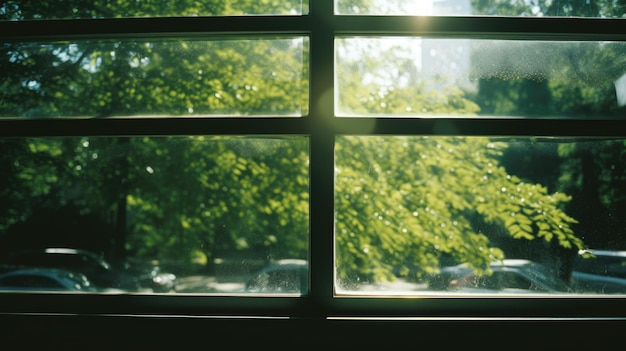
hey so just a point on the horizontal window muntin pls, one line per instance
(497, 216)
(305, 126)
(569, 8)
(426, 77)
(223, 76)
(573, 28)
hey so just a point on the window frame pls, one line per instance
(321, 25)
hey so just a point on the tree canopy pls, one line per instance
(403, 205)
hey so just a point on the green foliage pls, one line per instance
(403, 203)
(592, 8)
(157, 77)
(409, 201)
(20, 10)
(217, 195)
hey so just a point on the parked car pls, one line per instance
(102, 274)
(509, 276)
(45, 279)
(283, 276)
(600, 271)
(150, 275)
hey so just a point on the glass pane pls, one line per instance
(479, 215)
(155, 77)
(197, 214)
(534, 8)
(480, 77)
(54, 9)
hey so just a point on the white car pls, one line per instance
(284, 276)
(515, 276)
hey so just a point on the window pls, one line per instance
(192, 149)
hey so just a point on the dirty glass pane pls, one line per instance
(525, 8)
(74, 9)
(479, 215)
(196, 214)
(415, 76)
(155, 77)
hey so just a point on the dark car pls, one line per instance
(102, 274)
(509, 276)
(45, 279)
(600, 271)
(283, 276)
(150, 276)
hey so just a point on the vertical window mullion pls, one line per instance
(322, 152)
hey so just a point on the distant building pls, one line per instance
(447, 61)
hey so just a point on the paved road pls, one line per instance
(208, 284)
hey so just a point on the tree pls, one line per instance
(154, 77)
(404, 203)
(581, 85)
(407, 205)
